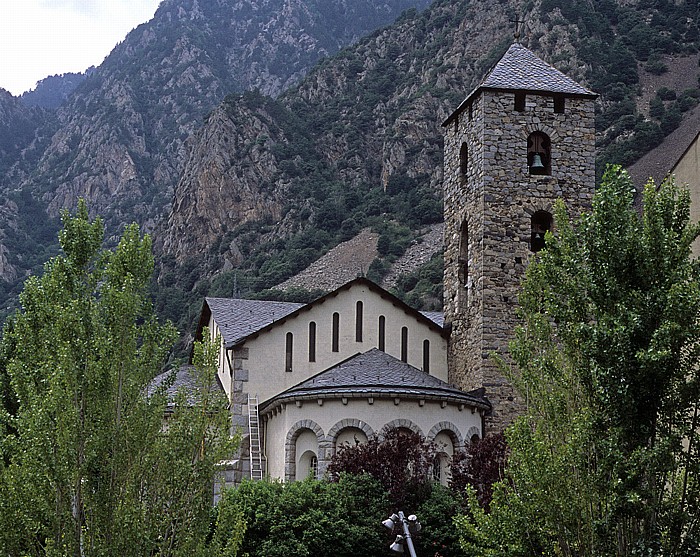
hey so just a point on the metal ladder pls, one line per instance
(256, 471)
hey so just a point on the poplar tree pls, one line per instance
(605, 460)
(89, 466)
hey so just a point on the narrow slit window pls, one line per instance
(336, 332)
(463, 262)
(288, 352)
(426, 356)
(404, 344)
(358, 322)
(463, 159)
(312, 341)
(382, 333)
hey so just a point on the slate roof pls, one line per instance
(238, 319)
(436, 317)
(520, 69)
(375, 373)
(175, 380)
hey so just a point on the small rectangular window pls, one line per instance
(559, 104)
(358, 322)
(520, 101)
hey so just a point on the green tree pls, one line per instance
(88, 467)
(311, 517)
(605, 460)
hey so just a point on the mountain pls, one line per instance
(118, 140)
(52, 91)
(206, 126)
(271, 184)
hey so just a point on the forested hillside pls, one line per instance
(243, 194)
(118, 140)
(273, 183)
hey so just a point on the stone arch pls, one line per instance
(473, 430)
(290, 448)
(451, 429)
(401, 423)
(532, 209)
(343, 424)
(529, 129)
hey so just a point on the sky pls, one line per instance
(39, 38)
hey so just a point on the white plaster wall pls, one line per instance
(376, 415)
(223, 364)
(350, 436)
(266, 364)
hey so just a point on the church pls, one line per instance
(304, 379)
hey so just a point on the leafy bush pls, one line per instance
(400, 461)
(312, 517)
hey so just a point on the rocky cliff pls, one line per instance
(257, 188)
(118, 139)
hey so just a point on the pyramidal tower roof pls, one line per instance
(520, 69)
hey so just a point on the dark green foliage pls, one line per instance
(655, 65)
(671, 119)
(422, 289)
(656, 108)
(666, 94)
(312, 517)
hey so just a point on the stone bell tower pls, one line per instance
(522, 139)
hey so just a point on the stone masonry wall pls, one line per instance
(488, 224)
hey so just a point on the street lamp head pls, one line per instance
(414, 525)
(391, 521)
(398, 544)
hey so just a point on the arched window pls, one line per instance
(540, 223)
(312, 341)
(463, 160)
(308, 466)
(336, 332)
(358, 322)
(539, 154)
(288, 352)
(426, 356)
(404, 344)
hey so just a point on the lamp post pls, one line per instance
(410, 526)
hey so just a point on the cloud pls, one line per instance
(46, 37)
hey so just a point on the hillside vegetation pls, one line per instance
(242, 195)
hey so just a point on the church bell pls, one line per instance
(536, 162)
